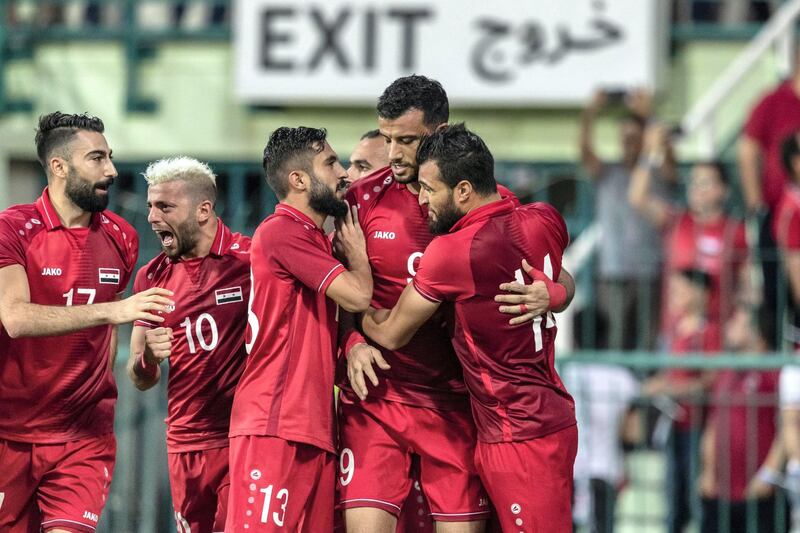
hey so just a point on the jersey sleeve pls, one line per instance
(442, 274)
(12, 251)
(303, 256)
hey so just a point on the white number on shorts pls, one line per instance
(2, 497)
(182, 524)
(198, 329)
(346, 467)
(537, 322)
(283, 497)
(252, 319)
(70, 293)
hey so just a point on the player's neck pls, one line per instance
(208, 233)
(69, 214)
(301, 204)
(480, 201)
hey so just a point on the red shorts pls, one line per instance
(379, 439)
(415, 516)
(279, 485)
(530, 482)
(199, 484)
(46, 486)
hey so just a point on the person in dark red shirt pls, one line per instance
(409, 406)
(786, 230)
(527, 437)
(700, 236)
(64, 263)
(773, 118)
(207, 267)
(282, 427)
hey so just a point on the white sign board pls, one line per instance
(495, 53)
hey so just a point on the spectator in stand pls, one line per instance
(701, 236)
(774, 117)
(690, 332)
(630, 253)
(786, 230)
(741, 456)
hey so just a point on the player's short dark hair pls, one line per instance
(790, 147)
(460, 155)
(415, 92)
(287, 150)
(371, 134)
(697, 277)
(57, 130)
(718, 167)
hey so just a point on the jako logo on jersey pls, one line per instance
(229, 295)
(388, 235)
(109, 276)
(91, 516)
(47, 271)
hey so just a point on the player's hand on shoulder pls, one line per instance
(158, 344)
(349, 239)
(360, 359)
(144, 306)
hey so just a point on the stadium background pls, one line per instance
(164, 84)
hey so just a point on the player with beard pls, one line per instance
(64, 264)
(527, 437)
(417, 409)
(282, 424)
(207, 267)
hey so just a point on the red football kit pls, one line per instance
(57, 393)
(207, 359)
(420, 406)
(282, 423)
(527, 436)
(718, 248)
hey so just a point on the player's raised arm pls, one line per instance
(393, 328)
(21, 318)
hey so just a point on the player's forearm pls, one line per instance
(749, 167)
(566, 280)
(143, 373)
(379, 326)
(22, 319)
(361, 284)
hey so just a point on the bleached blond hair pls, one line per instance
(198, 176)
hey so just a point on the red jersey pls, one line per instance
(61, 388)
(786, 223)
(744, 415)
(208, 323)
(425, 372)
(775, 117)
(509, 370)
(718, 248)
(286, 390)
(707, 339)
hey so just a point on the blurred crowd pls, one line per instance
(86, 13)
(677, 272)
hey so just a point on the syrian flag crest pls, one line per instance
(109, 276)
(229, 295)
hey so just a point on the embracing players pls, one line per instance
(64, 264)
(282, 425)
(207, 267)
(527, 437)
(416, 409)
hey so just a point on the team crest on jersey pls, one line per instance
(229, 295)
(108, 276)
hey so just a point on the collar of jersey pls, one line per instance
(484, 212)
(49, 214)
(289, 211)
